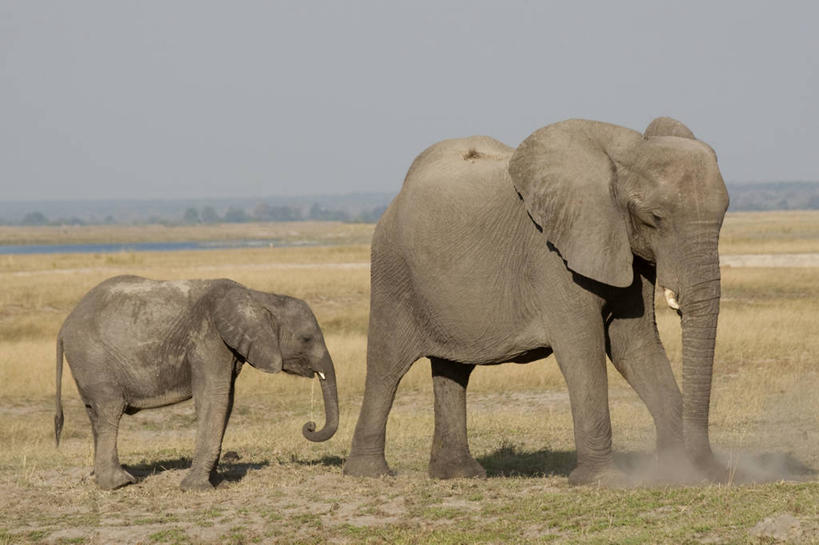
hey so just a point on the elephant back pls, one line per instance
(456, 156)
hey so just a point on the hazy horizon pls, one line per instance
(193, 198)
(302, 196)
(197, 100)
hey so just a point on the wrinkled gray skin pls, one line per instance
(491, 254)
(134, 343)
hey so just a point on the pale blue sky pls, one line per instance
(201, 99)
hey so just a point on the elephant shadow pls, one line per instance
(641, 467)
(231, 471)
(327, 461)
(509, 460)
(227, 471)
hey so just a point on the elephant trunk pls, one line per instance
(699, 304)
(330, 394)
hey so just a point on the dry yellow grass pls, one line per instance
(519, 420)
(743, 232)
(291, 232)
(770, 232)
(766, 318)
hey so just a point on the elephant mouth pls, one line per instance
(299, 367)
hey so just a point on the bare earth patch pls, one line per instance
(299, 494)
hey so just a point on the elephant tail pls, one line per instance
(58, 415)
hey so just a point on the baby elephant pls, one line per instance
(134, 343)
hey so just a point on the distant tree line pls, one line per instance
(262, 212)
(747, 196)
(38, 218)
(267, 212)
(774, 196)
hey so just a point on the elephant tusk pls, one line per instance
(321, 375)
(671, 299)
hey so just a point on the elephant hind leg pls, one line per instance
(450, 456)
(105, 412)
(366, 457)
(391, 351)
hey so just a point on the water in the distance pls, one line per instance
(138, 247)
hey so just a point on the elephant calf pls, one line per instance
(134, 343)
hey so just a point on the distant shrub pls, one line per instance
(34, 218)
(236, 215)
(209, 215)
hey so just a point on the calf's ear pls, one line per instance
(248, 328)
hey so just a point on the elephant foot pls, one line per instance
(716, 472)
(116, 478)
(462, 467)
(675, 467)
(704, 466)
(607, 476)
(367, 466)
(196, 482)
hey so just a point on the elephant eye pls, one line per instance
(648, 219)
(645, 215)
(306, 338)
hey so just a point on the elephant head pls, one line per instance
(278, 333)
(602, 194)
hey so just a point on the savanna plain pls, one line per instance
(276, 487)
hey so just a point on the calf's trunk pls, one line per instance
(330, 395)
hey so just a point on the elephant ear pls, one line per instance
(248, 328)
(566, 180)
(668, 126)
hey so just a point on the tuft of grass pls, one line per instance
(173, 536)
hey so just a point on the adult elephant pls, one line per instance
(491, 254)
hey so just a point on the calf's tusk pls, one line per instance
(321, 375)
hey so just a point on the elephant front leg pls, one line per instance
(637, 353)
(450, 457)
(582, 361)
(213, 407)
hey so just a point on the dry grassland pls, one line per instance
(283, 489)
(770, 232)
(742, 233)
(290, 232)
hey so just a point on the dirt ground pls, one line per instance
(295, 493)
